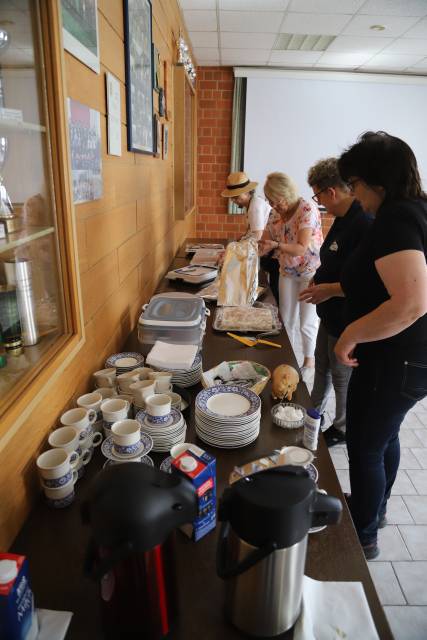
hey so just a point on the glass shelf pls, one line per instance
(16, 125)
(18, 238)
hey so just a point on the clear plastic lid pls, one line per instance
(170, 310)
(187, 463)
(8, 571)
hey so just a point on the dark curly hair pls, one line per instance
(380, 159)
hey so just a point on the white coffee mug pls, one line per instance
(94, 439)
(56, 467)
(107, 392)
(124, 380)
(126, 436)
(142, 389)
(80, 418)
(114, 409)
(157, 408)
(90, 401)
(62, 496)
(105, 377)
(143, 372)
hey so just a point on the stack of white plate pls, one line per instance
(124, 362)
(228, 416)
(165, 435)
(187, 377)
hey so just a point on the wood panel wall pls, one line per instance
(125, 243)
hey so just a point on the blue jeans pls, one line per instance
(381, 391)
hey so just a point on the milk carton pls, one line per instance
(199, 468)
(17, 617)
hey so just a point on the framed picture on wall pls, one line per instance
(162, 109)
(156, 66)
(139, 75)
(80, 30)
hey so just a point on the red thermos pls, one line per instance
(133, 511)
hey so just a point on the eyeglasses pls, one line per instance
(273, 204)
(316, 195)
(352, 183)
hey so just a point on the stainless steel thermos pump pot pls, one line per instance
(262, 546)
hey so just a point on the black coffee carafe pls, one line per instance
(133, 511)
(262, 546)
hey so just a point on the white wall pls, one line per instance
(291, 122)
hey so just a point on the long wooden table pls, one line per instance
(55, 542)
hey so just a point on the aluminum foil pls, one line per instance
(238, 281)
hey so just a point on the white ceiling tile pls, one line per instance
(394, 26)
(207, 63)
(343, 59)
(253, 5)
(292, 57)
(206, 53)
(201, 5)
(395, 7)
(390, 61)
(325, 6)
(319, 24)
(422, 64)
(204, 38)
(419, 31)
(408, 45)
(250, 21)
(257, 55)
(301, 65)
(200, 20)
(359, 44)
(247, 40)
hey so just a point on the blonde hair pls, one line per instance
(279, 186)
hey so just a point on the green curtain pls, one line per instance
(237, 133)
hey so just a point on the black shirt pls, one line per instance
(398, 226)
(342, 239)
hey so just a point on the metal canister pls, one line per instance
(18, 274)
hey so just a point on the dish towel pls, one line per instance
(172, 356)
(334, 611)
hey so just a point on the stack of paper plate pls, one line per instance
(187, 377)
(165, 435)
(228, 416)
(124, 362)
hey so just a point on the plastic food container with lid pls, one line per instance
(175, 317)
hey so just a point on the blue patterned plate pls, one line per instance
(145, 460)
(208, 396)
(166, 465)
(111, 361)
(174, 420)
(107, 448)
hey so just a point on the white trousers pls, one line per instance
(299, 318)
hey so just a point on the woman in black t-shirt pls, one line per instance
(385, 284)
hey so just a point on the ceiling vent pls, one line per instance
(301, 42)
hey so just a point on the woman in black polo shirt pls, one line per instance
(385, 286)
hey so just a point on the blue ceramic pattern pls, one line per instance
(61, 502)
(166, 465)
(129, 449)
(110, 362)
(158, 419)
(107, 448)
(55, 483)
(174, 417)
(204, 396)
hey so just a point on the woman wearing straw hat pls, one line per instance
(242, 192)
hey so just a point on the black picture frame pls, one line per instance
(162, 109)
(139, 75)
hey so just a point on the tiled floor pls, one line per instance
(400, 571)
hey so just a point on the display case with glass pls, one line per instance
(32, 292)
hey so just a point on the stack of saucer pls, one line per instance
(187, 377)
(228, 416)
(124, 362)
(144, 460)
(166, 432)
(127, 442)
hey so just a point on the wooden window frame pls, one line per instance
(40, 377)
(181, 81)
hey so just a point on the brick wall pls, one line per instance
(214, 109)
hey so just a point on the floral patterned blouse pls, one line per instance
(305, 217)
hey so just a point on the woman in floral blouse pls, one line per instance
(296, 236)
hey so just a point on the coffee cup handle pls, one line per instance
(92, 415)
(96, 439)
(75, 477)
(127, 405)
(73, 458)
(86, 456)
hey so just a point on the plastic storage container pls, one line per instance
(178, 318)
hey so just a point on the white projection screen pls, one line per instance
(294, 120)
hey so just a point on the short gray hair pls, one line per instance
(325, 174)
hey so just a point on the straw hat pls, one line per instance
(238, 183)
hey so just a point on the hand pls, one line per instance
(316, 293)
(344, 350)
(265, 246)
